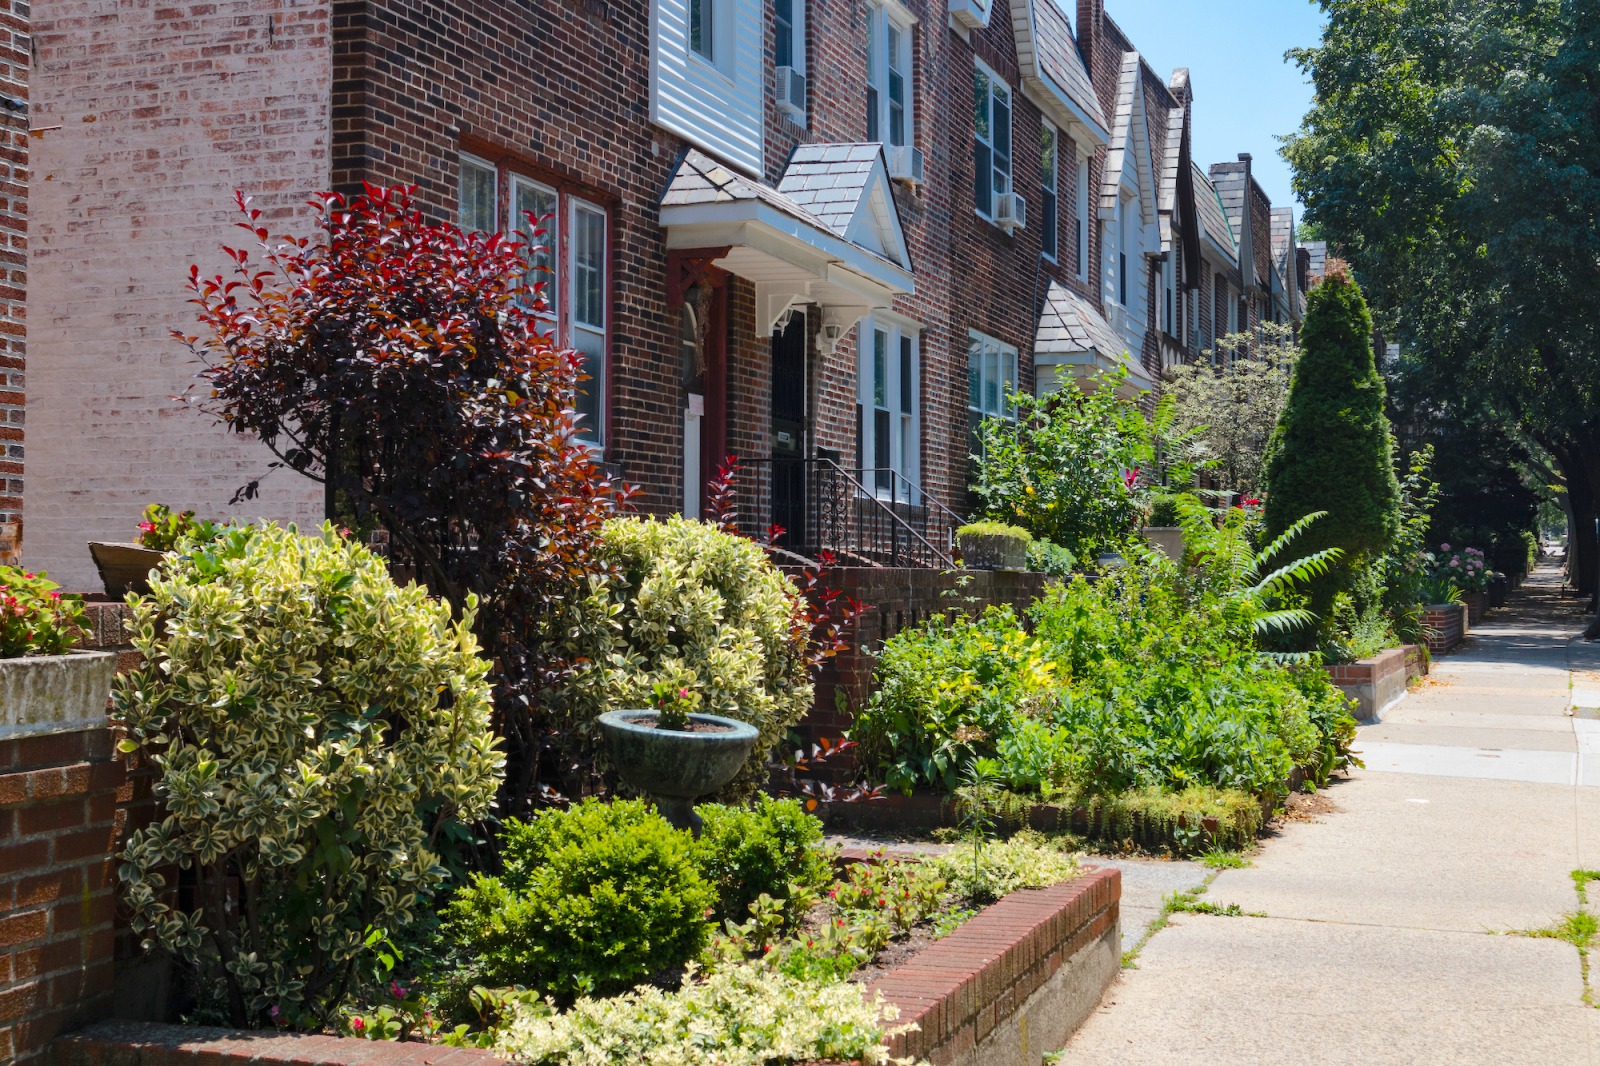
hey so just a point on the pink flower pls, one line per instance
(357, 1024)
(1455, 560)
(1444, 547)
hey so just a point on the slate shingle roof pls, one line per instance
(1167, 197)
(1232, 182)
(1069, 324)
(1319, 257)
(829, 180)
(1060, 60)
(1213, 219)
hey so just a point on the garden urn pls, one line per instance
(124, 568)
(993, 551)
(676, 766)
(1168, 540)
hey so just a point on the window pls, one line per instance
(1047, 181)
(571, 262)
(991, 139)
(703, 29)
(478, 196)
(888, 78)
(887, 439)
(1169, 295)
(1124, 242)
(991, 378)
(784, 38)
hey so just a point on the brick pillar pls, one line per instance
(58, 813)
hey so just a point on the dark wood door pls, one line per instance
(789, 431)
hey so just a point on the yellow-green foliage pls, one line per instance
(313, 725)
(738, 1016)
(693, 601)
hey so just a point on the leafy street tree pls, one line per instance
(400, 363)
(1453, 155)
(1332, 450)
(1232, 407)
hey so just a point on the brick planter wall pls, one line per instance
(1445, 625)
(1008, 986)
(1380, 681)
(898, 598)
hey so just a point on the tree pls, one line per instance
(403, 365)
(1231, 406)
(1068, 468)
(1453, 154)
(1332, 449)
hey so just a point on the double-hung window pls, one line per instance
(785, 41)
(568, 239)
(703, 29)
(1081, 219)
(991, 147)
(1169, 321)
(887, 439)
(889, 119)
(1048, 166)
(991, 379)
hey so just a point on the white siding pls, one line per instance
(718, 109)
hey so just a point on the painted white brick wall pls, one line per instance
(163, 109)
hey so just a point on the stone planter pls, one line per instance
(1168, 540)
(993, 552)
(41, 694)
(124, 568)
(1476, 603)
(1499, 589)
(676, 767)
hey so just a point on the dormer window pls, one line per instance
(703, 29)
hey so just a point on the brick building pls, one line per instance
(823, 235)
(14, 61)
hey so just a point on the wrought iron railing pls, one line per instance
(862, 517)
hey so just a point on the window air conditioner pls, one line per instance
(1010, 211)
(792, 93)
(905, 164)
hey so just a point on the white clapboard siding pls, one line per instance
(718, 109)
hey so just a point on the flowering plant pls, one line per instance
(35, 618)
(1467, 569)
(674, 703)
(162, 528)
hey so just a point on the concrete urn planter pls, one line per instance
(42, 694)
(988, 552)
(124, 568)
(676, 767)
(1168, 540)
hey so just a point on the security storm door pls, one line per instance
(789, 430)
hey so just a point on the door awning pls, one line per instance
(1074, 341)
(829, 234)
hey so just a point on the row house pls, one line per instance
(825, 236)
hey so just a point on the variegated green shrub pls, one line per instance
(315, 727)
(692, 600)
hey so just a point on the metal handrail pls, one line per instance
(941, 556)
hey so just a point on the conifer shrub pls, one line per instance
(1332, 450)
(315, 729)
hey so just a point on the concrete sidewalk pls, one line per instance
(1380, 944)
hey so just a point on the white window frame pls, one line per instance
(1125, 279)
(998, 367)
(884, 60)
(1081, 217)
(1050, 192)
(562, 321)
(902, 401)
(1171, 313)
(993, 81)
(554, 228)
(797, 36)
(470, 162)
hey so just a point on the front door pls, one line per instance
(789, 431)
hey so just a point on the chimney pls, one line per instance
(1090, 15)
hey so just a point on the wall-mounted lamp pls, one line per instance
(832, 332)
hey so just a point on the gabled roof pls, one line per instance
(1282, 236)
(1048, 52)
(1232, 181)
(1130, 142)
(1171, 161)
(1319, 257)
(847, 187)
(1214, 224)
(1072, 331)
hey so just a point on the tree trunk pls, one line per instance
(1583, 546)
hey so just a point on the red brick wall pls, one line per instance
(58, 825)
(15, 44)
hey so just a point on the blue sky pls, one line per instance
(1245, 92)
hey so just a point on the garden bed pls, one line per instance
(1013, 982)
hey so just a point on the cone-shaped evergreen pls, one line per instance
(1332, 450)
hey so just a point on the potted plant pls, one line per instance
(1162, 531)
(993, 546)
(673, 754)
(125, 566)
(45, 686)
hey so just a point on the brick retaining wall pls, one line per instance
(1009, 985)
(1379, 681)
(1445, 626)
